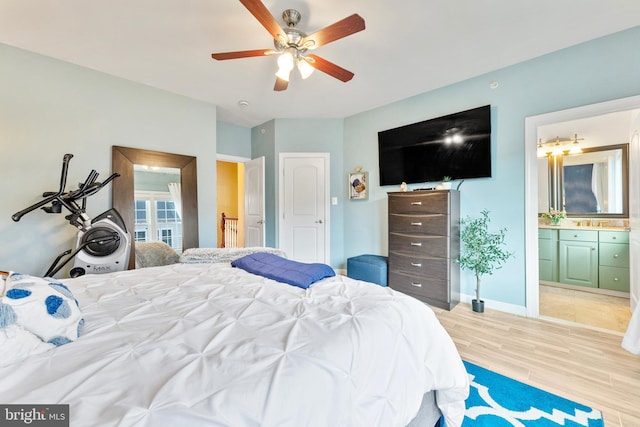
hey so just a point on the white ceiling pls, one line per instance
(407, 49)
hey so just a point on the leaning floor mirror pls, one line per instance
(168, 214)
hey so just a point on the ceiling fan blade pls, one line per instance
(349, 25)
(242, 54)
(330, 68)
(263, 15)
(281, 84)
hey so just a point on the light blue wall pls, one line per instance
(302, 136)
(49, 108)
(604, 69)
(233, 140)
(319, 136)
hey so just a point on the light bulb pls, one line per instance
(285, 61)
(305, 68)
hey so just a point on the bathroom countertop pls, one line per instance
(584, 227)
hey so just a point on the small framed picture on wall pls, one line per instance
(358, 185)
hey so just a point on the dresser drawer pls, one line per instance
(614, 236)
(438, 267)
(421, 224)
(579, 235)
(614, 254)
(614, 278)
(420, 286)
(419, 245)
(419, 202)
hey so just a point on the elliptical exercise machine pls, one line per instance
(103, 243)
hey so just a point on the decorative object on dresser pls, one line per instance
(482, 251)
(424, 242)
(446, 183)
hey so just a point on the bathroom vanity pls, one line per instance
(594, 257)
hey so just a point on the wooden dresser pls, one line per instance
(424, 242)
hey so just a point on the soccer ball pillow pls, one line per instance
(42, 306)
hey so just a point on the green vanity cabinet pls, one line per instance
(578, 257)
(614, 260)
(584, 257)
(548, 254)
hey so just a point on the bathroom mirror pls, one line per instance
(593, 183)
(123, 161)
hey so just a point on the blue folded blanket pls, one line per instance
(284, 270)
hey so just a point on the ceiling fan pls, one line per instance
(292, 44)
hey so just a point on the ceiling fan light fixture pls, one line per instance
(305, 68)
(285, 60)
(291, 43)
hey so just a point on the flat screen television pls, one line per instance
(457, 145)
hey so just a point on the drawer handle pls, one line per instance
(416, 244)
(615, 279)
(416, 203)
(416, 264)
(417, 285)
(592, 248)
(575, 235)
(615, 255)
(417, 224)
(613, 238)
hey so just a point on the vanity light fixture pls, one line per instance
(559, 146)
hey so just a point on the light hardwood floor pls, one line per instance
(579, 363)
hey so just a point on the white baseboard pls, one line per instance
(497, 305)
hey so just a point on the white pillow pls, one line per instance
(42, 306)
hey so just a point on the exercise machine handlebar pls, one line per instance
(68, 200)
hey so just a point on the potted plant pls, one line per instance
(446, 182)
(554, 216)
(482, 251)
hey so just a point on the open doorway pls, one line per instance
(230, 204)
(539, 295)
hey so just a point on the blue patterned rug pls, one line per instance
(495, 401)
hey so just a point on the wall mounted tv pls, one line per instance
(457, 145)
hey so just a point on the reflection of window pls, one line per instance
(140, 235)
(166, 211)
(165, 235)
(140, 212)
(156, 219)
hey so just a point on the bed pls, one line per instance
(208, 344)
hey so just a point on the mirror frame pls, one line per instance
(558, 191)
(122, 196)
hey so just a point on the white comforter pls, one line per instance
(211, 345)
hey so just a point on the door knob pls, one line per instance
(319, 221)
(261, 221)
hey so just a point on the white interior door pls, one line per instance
(254, 216)
(304, 207)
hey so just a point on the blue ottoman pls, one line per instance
(370, 268)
